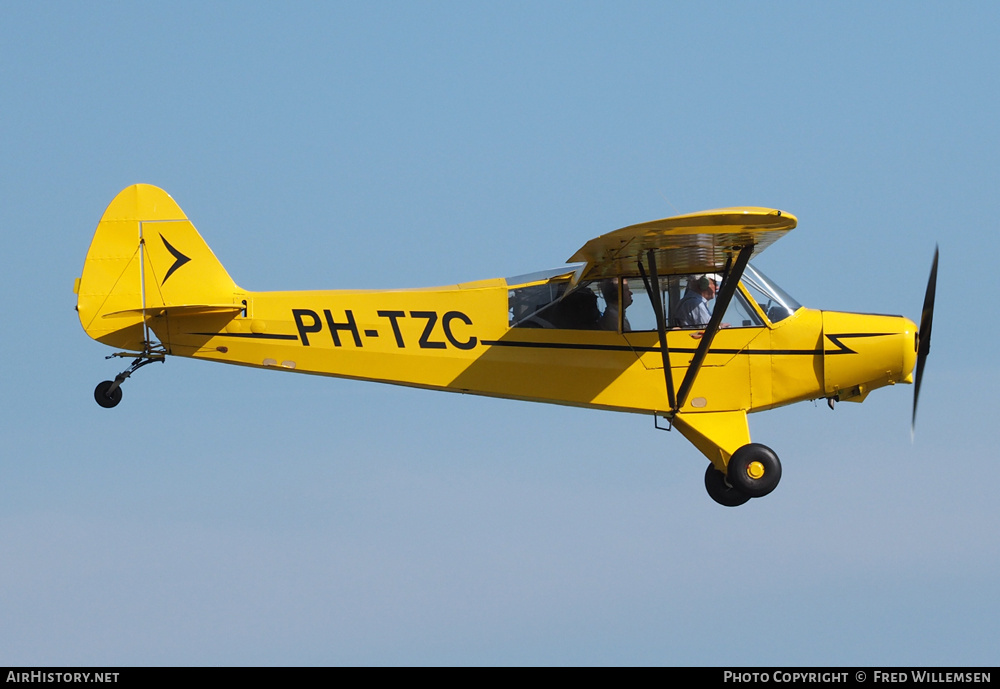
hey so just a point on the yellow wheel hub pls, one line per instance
(755, 470)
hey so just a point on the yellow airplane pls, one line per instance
(666, 318)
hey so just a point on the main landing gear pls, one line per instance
(109, 392)
(753, 472)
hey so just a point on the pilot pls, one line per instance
(609, 321)
(692, 310)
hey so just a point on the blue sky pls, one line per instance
(230, 516)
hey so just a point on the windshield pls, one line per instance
(541, 275)
(774, 301)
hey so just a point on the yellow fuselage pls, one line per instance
(458, 339)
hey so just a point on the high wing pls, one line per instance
(700, 242)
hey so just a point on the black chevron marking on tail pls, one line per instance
(181, 259)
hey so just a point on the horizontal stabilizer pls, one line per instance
(178, 311)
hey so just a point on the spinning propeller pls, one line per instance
(924, 335)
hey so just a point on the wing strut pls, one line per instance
(722, 300)
(653, 290)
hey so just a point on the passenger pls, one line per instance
(577, 311)
(609, 321)
(692, 310)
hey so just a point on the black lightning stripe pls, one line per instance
(844, 349)
(835, 339)
(253, 336)
(628, 348)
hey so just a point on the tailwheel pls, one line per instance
(754, 470)
(720, 490)
(108, 393)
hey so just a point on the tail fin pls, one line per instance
(147, 259)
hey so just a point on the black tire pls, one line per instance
(754, 469)
(720, 491)
(103, 398)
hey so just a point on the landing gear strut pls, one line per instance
(109, 392)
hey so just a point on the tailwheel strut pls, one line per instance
(109, 392)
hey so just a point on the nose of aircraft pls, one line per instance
(863, 352)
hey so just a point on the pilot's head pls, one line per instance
(609, 290)
(707, 284)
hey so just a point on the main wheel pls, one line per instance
(103, 398)
(720, 490)
(754, 469)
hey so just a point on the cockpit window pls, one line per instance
(540, 275)
(526, 304)
(622, 305)
(552, 305)
(688, 302)
(773, 301)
